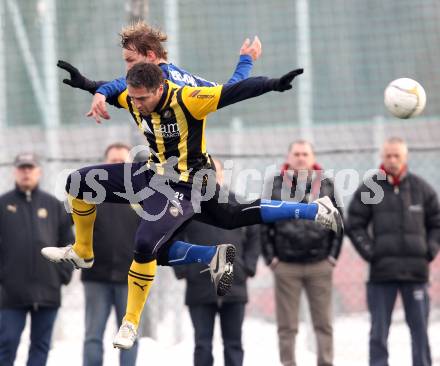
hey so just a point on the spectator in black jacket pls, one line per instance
(403, 213)
(105, 284)
(30, 219)
(201, 298)
(302, 254)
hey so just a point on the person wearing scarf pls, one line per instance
(302, 255)
(398, 235)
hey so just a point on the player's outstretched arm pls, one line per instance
(249, 52)
(77, 80)
(98, 108)
(113, 88)
(255, 86)
(200, 101)
(253, 49)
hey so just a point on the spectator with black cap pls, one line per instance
(29, 220)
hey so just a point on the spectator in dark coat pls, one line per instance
(201, 298)
(30, 219)
(394, 223)
(302, 255)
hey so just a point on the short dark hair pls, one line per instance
(146, 75)
(116, 145)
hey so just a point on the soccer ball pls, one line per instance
(405, 98)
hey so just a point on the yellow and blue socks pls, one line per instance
(181, 252)
(272, 211)
(140, 280)
(83, 215)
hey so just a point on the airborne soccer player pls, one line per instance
(173, 186)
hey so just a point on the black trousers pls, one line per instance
(381, 298)
(166, 205)
(231, 322)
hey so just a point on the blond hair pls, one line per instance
(140, 37)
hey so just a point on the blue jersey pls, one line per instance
(180, 77)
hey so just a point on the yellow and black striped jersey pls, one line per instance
(177, 126)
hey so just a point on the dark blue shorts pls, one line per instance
(164, 205)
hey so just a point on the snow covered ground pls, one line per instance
(260, 344)
(173, 336)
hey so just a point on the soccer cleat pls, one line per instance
(328, 216)
(66, 254)
(126, 336)
(221, 268)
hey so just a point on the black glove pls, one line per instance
(285, 82)
(77, 80)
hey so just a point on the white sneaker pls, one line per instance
(221, 268)
(66, 254)
(328, 215)
(126, 336)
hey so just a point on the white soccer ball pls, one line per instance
(405, 98)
